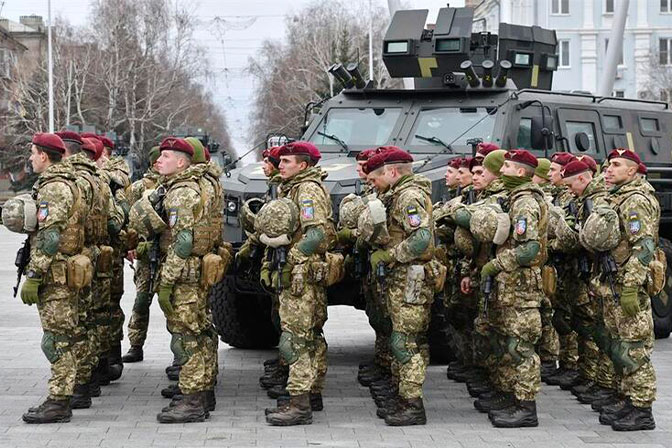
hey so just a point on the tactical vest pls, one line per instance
(72, 236)
(539, 197)
(95, 225)
(210, 228)
(329, 228)
(202, 243)
(622, 252)
(397, 232)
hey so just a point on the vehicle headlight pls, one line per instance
(231, 207)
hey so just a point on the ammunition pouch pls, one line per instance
(205, 237)
(179, 347)
(72, 239)
(435, 274)
(105, 260)
(399, 347)
(549, 280)
(562, 322)
(656, 277)
(212, 270)
(622, 357)
(80, 272)
(191, 272)
(415, 280)
(50, 345)
(290, 347)
(328, 272)
(226, 252)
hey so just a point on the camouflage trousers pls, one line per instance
(191, 342)
(86, 339)
(631, 348)
(379, 319)
(563, 304)
(59, 316)
(116, 292)
(410, 312)
(518, 331)
(137, 326)
(303, 313)
(584, 320)
(100, 291)
(549, 344)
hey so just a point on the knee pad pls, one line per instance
(561, 322)
(288, 347)
(518, 349)
(621, 356)
(399, 347)
(50, 348)
(178, 346)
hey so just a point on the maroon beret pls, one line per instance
(389, 156)
(592, 164)
(365, 155)
(562, 158)
(89, 146)
(573, 168)
(70, 136)
(474, 162)
(98, 145)
(176, 144)
(622, 153)
(107, 142)
(265, 153)
(90, 135)
(274, 156)
(301, 148)
(465, 161)
(521, 156)
(207, 154)
(485, 148)
(49, 142)
(642, 169)
(455, 163)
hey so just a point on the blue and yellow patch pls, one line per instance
(307, 209)
(43, 211)
(413, 216)
(521, 225)
(634, 223)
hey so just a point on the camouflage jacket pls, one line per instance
(56, 194)
(639, 216)
(494, 193)
(116, 172)
(148, 182)
(213, 198)
(409, 219)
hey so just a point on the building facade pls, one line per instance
(583, 29)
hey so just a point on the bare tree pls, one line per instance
(658, 83)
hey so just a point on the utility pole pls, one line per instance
(50, 67)
(615, 49)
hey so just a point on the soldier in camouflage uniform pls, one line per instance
(181, 293)
(549, 344)
(58, 238)
(515, 316)
(409, 292)
(627, 307)
(303, 301)
(137, 326)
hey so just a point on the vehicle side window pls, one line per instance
(524, 139)
(649, 124)
(574, 128)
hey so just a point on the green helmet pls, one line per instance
(154, 154)
(199, 150)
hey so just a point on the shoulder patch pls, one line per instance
(172, 217)
(307, 209)
(413, 217)
(43, 211)
(634, 223)
(521, 225)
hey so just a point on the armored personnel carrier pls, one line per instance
(468, 87)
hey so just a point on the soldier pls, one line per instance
(54, 246)
(517, 272)
(182, 295)
(137, 326)
(625, 293)
(566, 376)
(408, 292)
(303, 302)
(549, 344)
(452, 181)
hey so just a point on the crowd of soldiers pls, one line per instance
(545, 269)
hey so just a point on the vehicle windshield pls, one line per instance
(453, 125)
(362, 126)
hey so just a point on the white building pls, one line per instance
(583, 29)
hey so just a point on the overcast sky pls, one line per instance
(246, 24)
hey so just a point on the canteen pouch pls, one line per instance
(80, 271)
(335, 268)
(415, 278)
(104, 261)
(226, 252)
(655, 281)
(435, 273)
(212, 270)
(549, 280)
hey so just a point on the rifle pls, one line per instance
(358, 261)
(156, 200)
(490, 280)
(605, 261)
(21, 262)
(280, 255)
(380, 276)
(584, 262)
(471, 196)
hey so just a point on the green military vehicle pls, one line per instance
(468, 87)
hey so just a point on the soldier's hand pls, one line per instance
(165, 291)
(465, 285)
(243, 256)
(29, 291)
(380, 256)
(131, 255)
(286, 275)
(345, 237)
(265, 278)
(489, 270)
(630, 301)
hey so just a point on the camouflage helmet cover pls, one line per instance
(464, 241)
(144, 219)
(277, 218)
(601, 231)
(489, 224)
(372, 222)
(19, 214)
(248, 213)
(349, 210)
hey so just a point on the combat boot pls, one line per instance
(80, 397)
(103, 370)
(407, 413)
(116, 364)
(271, 362)
(583, 386)
(170, 391)
(94, 385)
(638, 419)
(173, 371)
(276, 377)
(366, 378)
(548, 368)
(614, 401)
(552, 379)
(188, 410)
(524, 415)
(276, 392)
(298, 412)
(210, 400)
(453, 368)
(569, 380)
(134, 354)
(478, 388)
(499, 400)
(615, 411)
(316, 403)
(596, 394)
(464, 375)
(389, 407)
(51, 411)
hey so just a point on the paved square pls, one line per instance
(125, 414)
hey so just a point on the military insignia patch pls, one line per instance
(307, 209)
(521, 226)
(634, 223)
(413, 217)
(172, 217)
(43, 212)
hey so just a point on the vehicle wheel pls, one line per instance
(661, 304)
(439, 337)
(242, 320)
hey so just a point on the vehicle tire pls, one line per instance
(661, 304)
(242, 320)
(439, 336)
